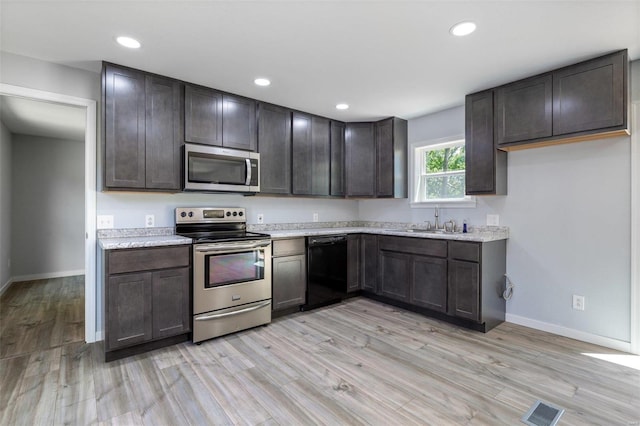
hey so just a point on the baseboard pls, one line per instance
(570, 332)
(47, 275)
(5, 286)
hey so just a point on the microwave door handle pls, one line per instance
(248, 164)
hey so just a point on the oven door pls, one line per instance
(210, 168)
(230, 274)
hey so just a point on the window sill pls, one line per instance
(463, 204)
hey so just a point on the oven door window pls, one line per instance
(208, 168)
(232, 268)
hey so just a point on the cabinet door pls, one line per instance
(310, 147)
(395, 269)
(239, 123)
(590, 95)
(124, 122)
(337, 159)
(485, 167)
(164, 131)
(353, 262)
(369, 262)
(384, 156)
(171, 303)
(523, 110)
(429, 283)
(202, 116)
(128, 316)
(274, 144)
(464, 287)
(289, 281)
(360, 160)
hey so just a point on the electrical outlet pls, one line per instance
(105, 221)
(315, 217)
(578, 302)
(149, 221)
(260, 218)
(493, 220)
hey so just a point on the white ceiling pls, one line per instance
(382, 57)
(39, 118)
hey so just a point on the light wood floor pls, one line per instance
(359, 362)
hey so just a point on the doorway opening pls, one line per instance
(87, 109)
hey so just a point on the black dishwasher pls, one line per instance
(326, 270)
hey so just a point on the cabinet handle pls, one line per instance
(228, 314)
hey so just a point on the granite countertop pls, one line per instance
(484, 234)
(113, 239)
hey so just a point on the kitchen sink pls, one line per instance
(418, 230)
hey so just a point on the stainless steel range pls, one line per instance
(231, 271)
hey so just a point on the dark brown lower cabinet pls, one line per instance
(429, 282)
(464, 289)
(289, 274)
(457, 281)
(362, 262)
(147, 295)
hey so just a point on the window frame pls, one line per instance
(415, 174)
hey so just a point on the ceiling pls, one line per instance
(381, 57)
(39, 118)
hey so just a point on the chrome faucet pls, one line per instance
(437, 224)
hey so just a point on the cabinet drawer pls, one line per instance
(464, 251)
(423, 246)
(288, 247)
(145, 259)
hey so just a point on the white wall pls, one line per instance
(47, 206)
(5, 206)
(129, 209)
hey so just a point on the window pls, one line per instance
(438, 174)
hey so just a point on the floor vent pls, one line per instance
(542, 414)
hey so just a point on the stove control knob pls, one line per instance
(228, 214)
(190, 214)
(240, 213)
(183, 214)
(235, 213)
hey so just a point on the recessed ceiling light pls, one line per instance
(129, 42)
(463, 28)
(262, 81)
(342, 106)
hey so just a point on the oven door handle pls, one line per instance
(228, 314)
(218, 247)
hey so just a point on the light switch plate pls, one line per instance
(493, 220)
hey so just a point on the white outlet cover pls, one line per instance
(104, 221)
(260, 218)
(149, 221)
(493, 220)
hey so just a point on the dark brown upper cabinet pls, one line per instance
(579, 102)
(202, 116)
(383, 145)
(591, 95)
(143, 130)
(391, 158)
(310, 154)
(337, 158)
(274, 143)
(485, 166)
(220, 119)
(523, 110)
(360, 160)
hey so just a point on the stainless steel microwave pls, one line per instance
(217, 169)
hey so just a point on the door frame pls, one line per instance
(635, 228)
(90, 143)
